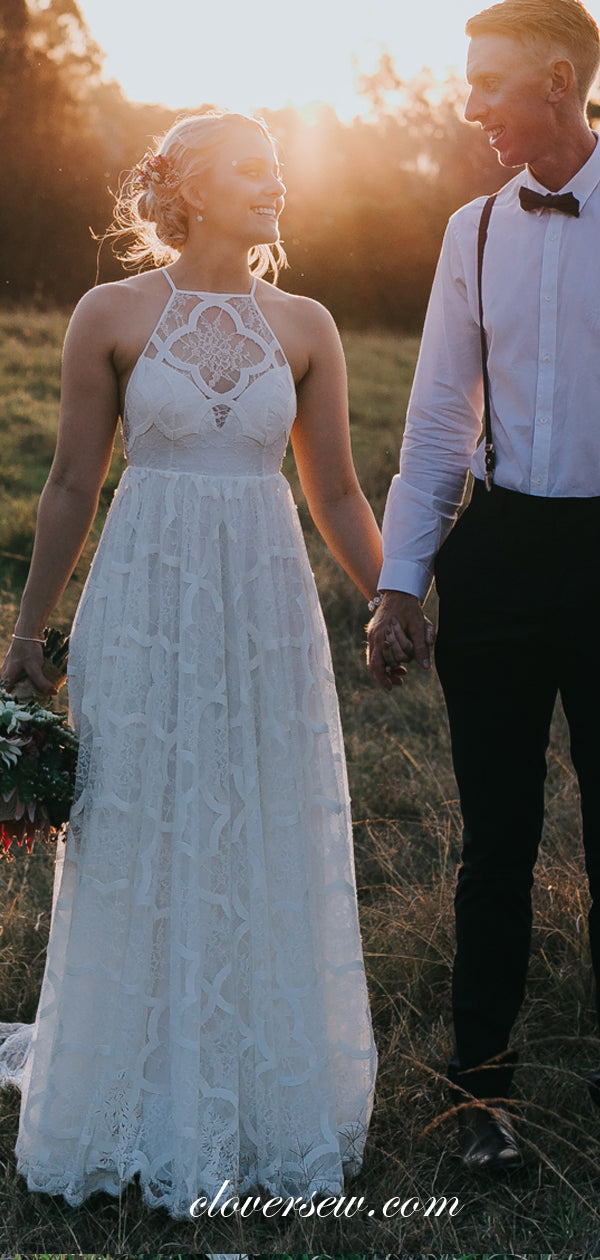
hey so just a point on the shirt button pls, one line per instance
(542, 419)
(545, 358)
(547, 297)
(537, 481)
(554, 237)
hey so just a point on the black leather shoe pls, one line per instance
(593, 1084)
(487, 1140)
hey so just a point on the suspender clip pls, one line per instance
(490, 464)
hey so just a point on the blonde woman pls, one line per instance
(204, 1010)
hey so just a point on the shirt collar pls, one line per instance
(582, 184)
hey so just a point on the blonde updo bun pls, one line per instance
(142, 206)
(156, 216)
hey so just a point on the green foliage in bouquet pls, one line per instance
(38, 758)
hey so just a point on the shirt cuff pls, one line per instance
(405, 575)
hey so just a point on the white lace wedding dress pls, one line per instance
(204, 1012)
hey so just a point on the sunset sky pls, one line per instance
(247, 54)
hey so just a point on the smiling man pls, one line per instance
(518, 576)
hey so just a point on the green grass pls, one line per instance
(407, 839)
(261, 1256)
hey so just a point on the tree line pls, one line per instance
(367, 201)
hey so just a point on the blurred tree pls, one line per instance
(58, 30)
(369, 202)
(53, 165)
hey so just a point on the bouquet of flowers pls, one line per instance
(38, 757)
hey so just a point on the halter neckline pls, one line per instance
(209, 292)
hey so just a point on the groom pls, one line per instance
(518, 577)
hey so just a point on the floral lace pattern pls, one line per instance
(211, 364)
(204, 1013)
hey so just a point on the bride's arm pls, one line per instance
(88, 417)
(321, 445)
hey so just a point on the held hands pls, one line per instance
(398, 632)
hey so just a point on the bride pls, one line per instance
(204, 1013)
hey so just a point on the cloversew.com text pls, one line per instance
(226, 1204)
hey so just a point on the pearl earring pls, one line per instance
(200, 217)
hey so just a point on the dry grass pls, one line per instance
(407, 837)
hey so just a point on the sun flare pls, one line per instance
(252, 56)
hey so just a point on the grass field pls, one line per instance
(407, 839)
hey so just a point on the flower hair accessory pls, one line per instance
(155, 171)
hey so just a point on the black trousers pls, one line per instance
(519, 587)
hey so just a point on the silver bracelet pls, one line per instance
(25, 638)
(374, 602)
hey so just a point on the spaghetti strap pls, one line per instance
(167, 277)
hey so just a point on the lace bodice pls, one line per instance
(212, 392)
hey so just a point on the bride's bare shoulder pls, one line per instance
(304, 328)
(118, 295)
(305, 312)
(301, 322)
(108, 309)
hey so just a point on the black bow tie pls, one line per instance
(565, 202)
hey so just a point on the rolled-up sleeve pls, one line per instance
(443, 423)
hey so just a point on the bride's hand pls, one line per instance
(24, 660)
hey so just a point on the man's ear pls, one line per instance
(562, 80)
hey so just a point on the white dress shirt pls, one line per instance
(541, 301)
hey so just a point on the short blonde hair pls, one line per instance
(563, 23)
(156, 216)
